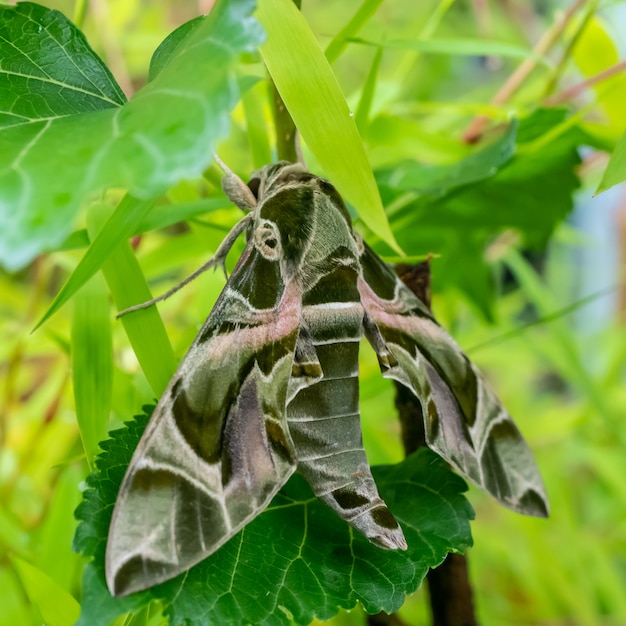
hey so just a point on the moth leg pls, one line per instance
(218, 259)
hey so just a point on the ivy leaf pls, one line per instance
(100, 143)
(296, 561)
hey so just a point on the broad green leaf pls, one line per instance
(313, 97)
(92, 363)
(305, 562)
(168, 47)
(48, 69)
(166, 132)
(459, 47)
(439, 180)
(57, 606)
(456, 210)
(615, 172)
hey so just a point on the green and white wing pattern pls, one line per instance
(464, 420)
(217, 448)
(271, 384)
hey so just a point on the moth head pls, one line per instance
(271, 178)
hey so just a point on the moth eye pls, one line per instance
(267, 240)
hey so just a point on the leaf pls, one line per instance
(297, 561)
(92, 363)
(144, 328)
(125, 219)
(358, 20)
(313, 97)
(168, 47)
(57, 606)
(455, 210)
(615, 172)
(137, 146)
(49, 67)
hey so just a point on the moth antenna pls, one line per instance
(219, 258)
(235, 188)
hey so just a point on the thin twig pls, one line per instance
(576, 90)
(514, 82)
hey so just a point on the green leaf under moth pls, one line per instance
(135, 146)
(295, 562)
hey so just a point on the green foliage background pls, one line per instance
(414, 75)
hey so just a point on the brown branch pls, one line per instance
(449, 587)
(514, 82)
(576, 90)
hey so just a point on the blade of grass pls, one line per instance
(359, 19)
(369, 89)
(125, 219)
(457, 47)
(570, 362)
(144, 328)
(314, 99)
(92, 363)
(57, 606)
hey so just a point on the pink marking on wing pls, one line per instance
(277, 324)
(393, 314)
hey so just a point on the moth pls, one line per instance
(270, 386)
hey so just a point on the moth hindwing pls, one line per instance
(270, 385)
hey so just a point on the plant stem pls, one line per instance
(450, 592)
(576, 90)
(285, 128)
(571, 45)
(514, 82)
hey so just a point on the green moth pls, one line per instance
(270, 386)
